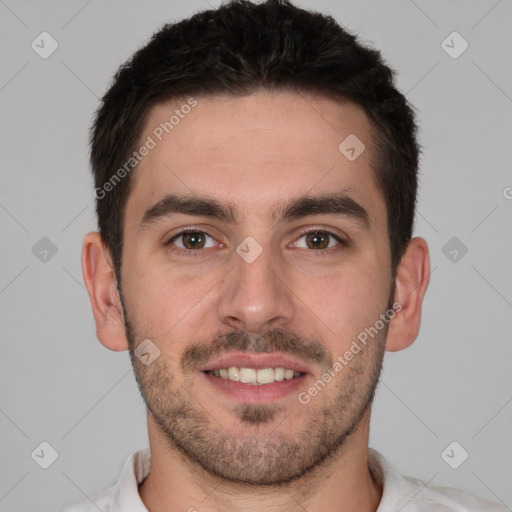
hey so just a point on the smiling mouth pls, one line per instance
(254, 376)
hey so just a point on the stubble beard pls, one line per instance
(249, 455)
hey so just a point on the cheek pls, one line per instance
(164, 305)
(347, 301)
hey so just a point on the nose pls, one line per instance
(255, 296)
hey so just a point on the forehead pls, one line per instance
(255, 150)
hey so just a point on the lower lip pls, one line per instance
(256, 394)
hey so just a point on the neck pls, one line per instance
(344, 483)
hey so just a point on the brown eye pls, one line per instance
(319, 240)
(191, 240)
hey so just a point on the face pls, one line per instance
(252, 244)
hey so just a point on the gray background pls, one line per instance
(59, 385)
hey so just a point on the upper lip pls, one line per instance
(256, 361)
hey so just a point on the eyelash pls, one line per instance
(198, 252)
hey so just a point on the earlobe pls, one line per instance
(101, 283)
(412, 278)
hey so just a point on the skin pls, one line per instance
(210, 452)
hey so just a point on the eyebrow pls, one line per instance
(338, 204)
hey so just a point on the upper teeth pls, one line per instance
(254, 376)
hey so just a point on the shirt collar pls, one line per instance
(135, 471)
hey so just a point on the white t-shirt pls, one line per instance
(400, 494)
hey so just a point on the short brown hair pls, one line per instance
(241, 48)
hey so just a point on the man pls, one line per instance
(256, 176)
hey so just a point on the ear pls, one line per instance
(101, 283)
(412, 278)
